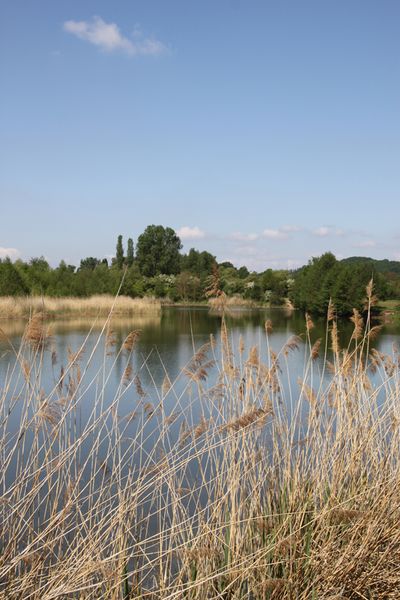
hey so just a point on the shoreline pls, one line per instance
(23, 307)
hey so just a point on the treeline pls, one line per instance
(156, 267)
(325, 278)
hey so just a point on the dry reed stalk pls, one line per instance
(37, 333)
(198, 367)
(166, 385)
(127, 375)
(292, 344)
(358, 325)
(130, 340)
(253, 415)
(315, 349)
(335, 338)
(309, 323)
(111, 339)
(241, 345)
(331, 311)
(139, 388)
(298, 507)
(309, 393)
(201, 428)
(253, 360)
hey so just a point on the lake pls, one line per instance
(164, 347)
(167, 341)
(117, 428)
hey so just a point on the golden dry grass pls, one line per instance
(223, 302)
(221, 484)
(101, 305)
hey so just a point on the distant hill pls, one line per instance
(381, 266)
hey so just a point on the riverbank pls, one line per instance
(100, 305)
(12, 307)
(389, 311)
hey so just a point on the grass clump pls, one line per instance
(101, 305)
(224, 483)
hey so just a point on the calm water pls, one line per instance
(165, 346)
(168, 341)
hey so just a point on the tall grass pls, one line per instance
(224, 483)
(101, 305)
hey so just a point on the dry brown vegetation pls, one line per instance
(222, 302)
(102, 305)
(221, 484)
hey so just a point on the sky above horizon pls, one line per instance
(264, 132)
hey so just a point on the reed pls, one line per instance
(217, 303)
(101, 305)
(218, 484)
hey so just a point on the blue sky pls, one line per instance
(265, 132)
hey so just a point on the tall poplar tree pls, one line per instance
(119, 257)
(129, 253)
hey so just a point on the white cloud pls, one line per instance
(365, 244)
(340, 232)
(190, 233)
(259, 260)
(247, 251)
(244, 237)
(10, 252)
(108, 37)
(291, 228)
(322, 231)
(325, 231)
(275, 234)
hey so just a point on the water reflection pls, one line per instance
(168, 340)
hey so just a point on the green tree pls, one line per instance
(313, 284)
(36, 274)
(63, 281)
(89, 263)
(119, 257)
(344, 282)
(157, 251)
(243, 272)
(187, 286)
(130, 253)
(11, 282)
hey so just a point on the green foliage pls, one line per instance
(325, 278)
(379, 266)
(275, 286)
(188, 287)
(199, 263)
(89, 263)
(253, 290)
(63, 281)
(157, 251)
(119, 256)
(160, 270)
(11, 282)
(130, 253)
(243, 272)
(313, 284)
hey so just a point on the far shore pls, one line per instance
(23, 307)
(102, 305)
(94, 306)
